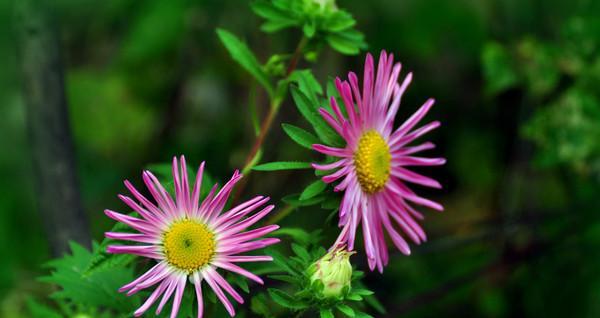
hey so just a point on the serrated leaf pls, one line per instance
(244, 56)
(300, 136)
(284, 299)
(282, 165)
(326, 313)
(97, 289)
(313, 189)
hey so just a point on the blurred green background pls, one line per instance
(517, 90)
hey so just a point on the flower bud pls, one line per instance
(334, 271)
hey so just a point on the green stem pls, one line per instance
(253, 157)
(281, 215)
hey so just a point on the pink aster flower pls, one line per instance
(373, 165)
(189, 239)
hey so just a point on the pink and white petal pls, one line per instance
(217, 204)
(145, 202)
(151, 299)
(246, 222)
(196, 190)
(215, 287)
(401, 141)
(161, 266)
(225, 285)
(147, 215)
(250, 235)
(331, 166)
(236, 269)
(338, 174)
(198, 286)
(417, 161)
(148, 251)
(246, 246)
(170, 289)
(331, 151)
(414, 177)
(178, 295)
(405, 151)
(330, 120)
(135, 223)
(160, 195)
(134, 237)
(246, 258)
(233, 215)
(185, 186)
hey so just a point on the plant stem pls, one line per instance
(267, 122)
(281, 215)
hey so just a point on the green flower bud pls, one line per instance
(334, 271)
(320, 6)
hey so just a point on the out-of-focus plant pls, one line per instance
(559, 79)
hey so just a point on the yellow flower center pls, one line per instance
(189, 245)
(372, 162)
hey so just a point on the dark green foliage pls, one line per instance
(300, 295)
(90, 290)
(320, 21)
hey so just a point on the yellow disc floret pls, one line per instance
(189, 245)
(372, 161)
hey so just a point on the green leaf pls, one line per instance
(282, 165)
(309, 111)
(308, 84)
(362, 292)
(497, 69)
(346, 310)
(258, 305)
(339, 21)
(269, 12)
(298, 234)
(294, 200)
(349, 43)
(242, 54)
(354, 297)
(309, 28)
(97, 289)
(285, 278)
(301, 251)
(360, 314)
(375, 303)
(38, 310)
(313, 189)
(326, 313)
(300, 136)
(284, 299)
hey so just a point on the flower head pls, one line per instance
(334, 271)
(189, 239)
(373, 165)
